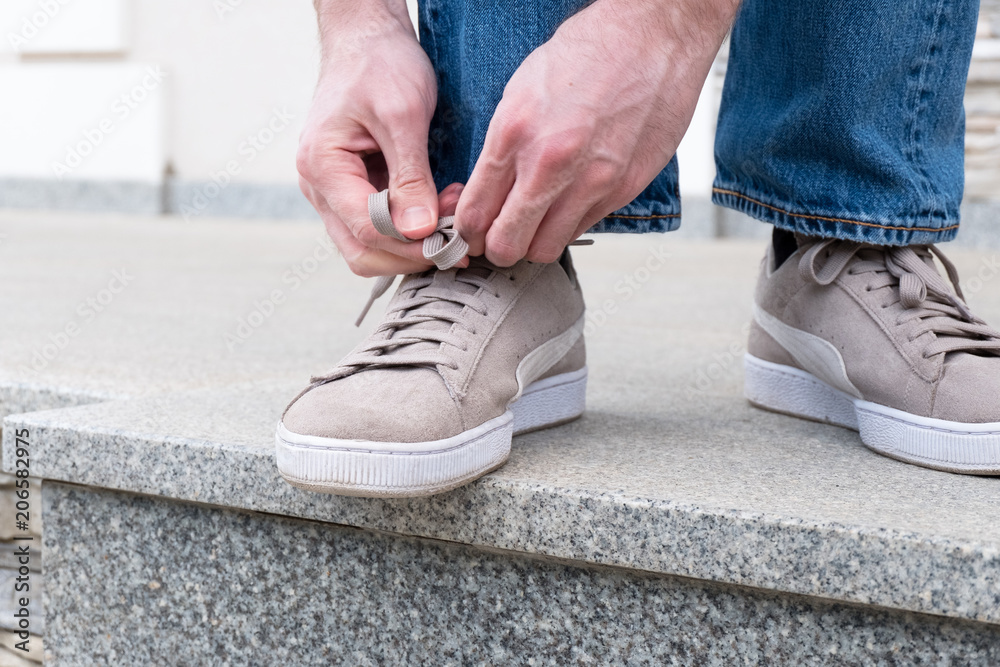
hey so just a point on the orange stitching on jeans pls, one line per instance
(820, 217)
(645, 217)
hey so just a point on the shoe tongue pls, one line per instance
(442, 281)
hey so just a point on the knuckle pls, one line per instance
(545, 253)
(306, 189)
(410, 178)
(603, 177)
(509, 128)
(353, 263)
(367, 236)
(504, 252)
(401, 111)
(471, 220)
(359, 264)
(304, 161)
(555, 154)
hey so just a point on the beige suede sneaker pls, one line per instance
(874, 339)
(463, 360)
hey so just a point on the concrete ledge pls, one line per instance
(725, 493)
(670, 472)
(156, 578)
(190, 200)
(105, 196)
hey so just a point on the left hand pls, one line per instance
(586, 123)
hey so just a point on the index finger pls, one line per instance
(343, 184)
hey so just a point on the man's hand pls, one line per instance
(367, 130)
(587, 122)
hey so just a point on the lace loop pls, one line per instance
(923, 292)
(420, 325)
(445, 247)
(834, 264)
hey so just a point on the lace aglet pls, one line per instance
(382, 284)
(364, 313)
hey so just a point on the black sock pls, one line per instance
(784, 244)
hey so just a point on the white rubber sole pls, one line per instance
(932, 443)
(403, 470)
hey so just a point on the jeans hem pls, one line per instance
(781, 215)
(636, 224)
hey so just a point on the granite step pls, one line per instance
(673, 522)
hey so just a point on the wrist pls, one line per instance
(677, 26)
(344, 24)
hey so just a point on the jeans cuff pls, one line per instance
(637, 218)
(656, 209)
(785, 216)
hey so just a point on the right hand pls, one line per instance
(367, 130)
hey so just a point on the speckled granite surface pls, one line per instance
(716, 491)
(204, 585)
(670, 471)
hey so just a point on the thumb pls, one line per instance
(413, 197)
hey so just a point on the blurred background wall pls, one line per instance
(194, 107)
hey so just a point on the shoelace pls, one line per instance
(922, 291)
(444, 247)
(400, 348)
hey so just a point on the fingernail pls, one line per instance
(458, 189)
(415, 218)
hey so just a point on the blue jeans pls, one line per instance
(839, 118)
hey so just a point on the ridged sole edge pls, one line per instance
(373, 470)
(972, 449)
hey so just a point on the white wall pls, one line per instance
(229, 72)
(230, 67)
